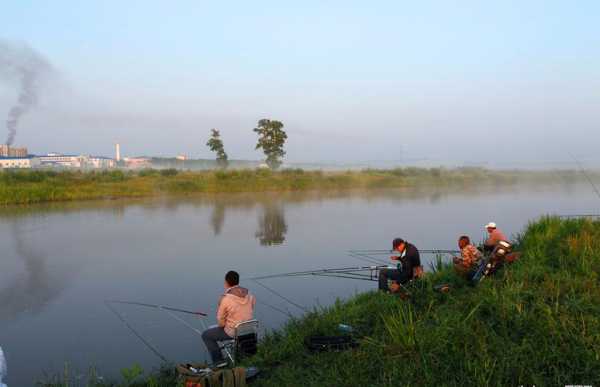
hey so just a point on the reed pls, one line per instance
(26, 187)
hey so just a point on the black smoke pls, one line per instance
(28, 68)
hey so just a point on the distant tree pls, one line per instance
(271, 139)
(216, 145)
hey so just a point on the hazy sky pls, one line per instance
(450, 81)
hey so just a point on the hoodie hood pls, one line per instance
(238, 294)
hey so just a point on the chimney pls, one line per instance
(118, 152)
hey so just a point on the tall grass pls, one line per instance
(537, 322)
(23, 187)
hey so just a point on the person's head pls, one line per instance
(398, 244)
(464, 241)
(232, 278)
(490, 227)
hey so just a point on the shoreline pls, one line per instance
(534, 322)
(30, 187)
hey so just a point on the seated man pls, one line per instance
(236, 305)
(494, 237)
(469, 258)
(409, 265)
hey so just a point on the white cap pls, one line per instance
(490, 225)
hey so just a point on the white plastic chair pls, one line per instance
(244, 341)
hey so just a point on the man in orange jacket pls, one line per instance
(236, 305)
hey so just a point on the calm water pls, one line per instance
(60, 262)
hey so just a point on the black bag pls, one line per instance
(329, 343)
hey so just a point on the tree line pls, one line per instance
(271, 139)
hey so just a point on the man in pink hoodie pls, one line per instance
(236, 305)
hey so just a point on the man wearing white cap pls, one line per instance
(494, 237)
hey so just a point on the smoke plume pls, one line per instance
(28, 68)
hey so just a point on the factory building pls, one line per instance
(60, 160)
(19, 162)
(8, 151)
(137, 162)
(79, 162)
(98, 162)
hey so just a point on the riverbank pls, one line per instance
(534, 323)
(27, 187)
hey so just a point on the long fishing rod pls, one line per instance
(135, 332)
(385, 252)
(367, 258)
(156, 306)
(339, 270)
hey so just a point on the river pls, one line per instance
(60, 262)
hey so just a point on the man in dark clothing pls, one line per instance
(409, 265)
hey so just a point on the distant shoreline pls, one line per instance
(40, 186)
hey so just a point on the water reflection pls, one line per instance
(217, 218)
(31, 292)
(271, 225)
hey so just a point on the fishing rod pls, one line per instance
(385, 252)
(136, 333)
(336, 270)
(367, 258)
(156, 306)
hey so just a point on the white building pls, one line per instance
(81, 161)
(60, 160)
(19, 162)
(137, 162)
(99, 162)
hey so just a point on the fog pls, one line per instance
(434, 84)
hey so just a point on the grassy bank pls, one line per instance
(24, 187)
(536, 322)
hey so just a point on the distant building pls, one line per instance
(73, 161)
(181, 157)
(19, 162)
(137, 162)
(60, 160)
(8, 151)
(98, 162)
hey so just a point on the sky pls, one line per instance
(452, 82)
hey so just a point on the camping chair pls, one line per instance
(244, 341)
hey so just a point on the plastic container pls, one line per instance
(345, 328)
(2, 368)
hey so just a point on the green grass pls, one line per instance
(537, 322)
(26, 187)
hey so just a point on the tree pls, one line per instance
(271, 139)
(216, 145)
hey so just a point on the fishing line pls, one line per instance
(287, 313)
(586, 175)
(146, 342)
(282, 297)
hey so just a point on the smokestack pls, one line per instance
(118, 152)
